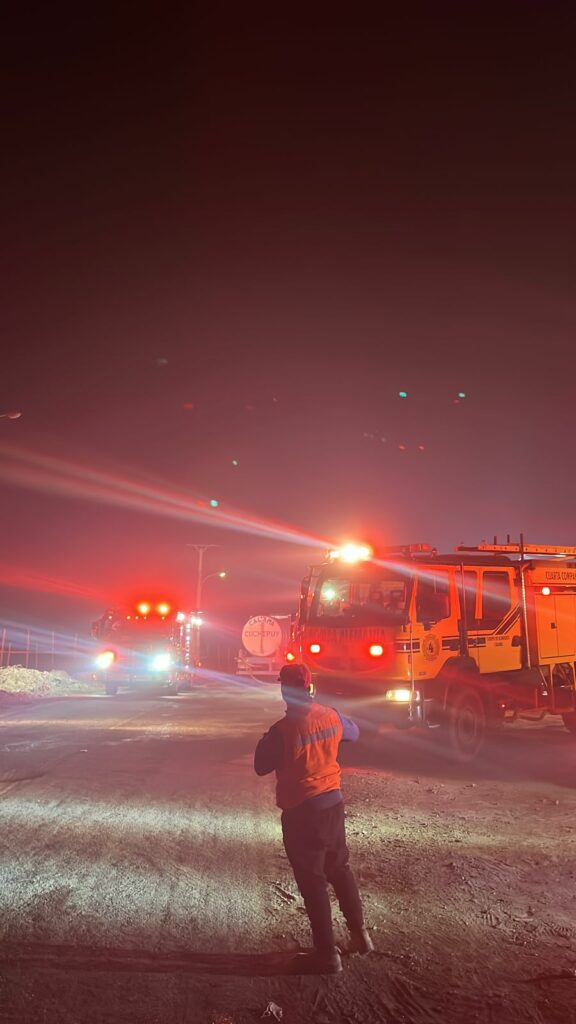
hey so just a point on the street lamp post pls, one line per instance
(200, 549)
(200, 581)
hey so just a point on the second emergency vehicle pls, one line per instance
(148, 644)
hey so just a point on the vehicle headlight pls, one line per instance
(402, 696)
(105, 659)
(161, 662)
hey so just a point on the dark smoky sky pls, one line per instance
(238, 236)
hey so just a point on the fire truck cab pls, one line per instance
(148, 645)
(454, 642)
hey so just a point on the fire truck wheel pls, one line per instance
(465, 725)
(111, 689)
(569, 719)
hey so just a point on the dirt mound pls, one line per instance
(19, 684)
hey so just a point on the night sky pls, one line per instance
(238, 237)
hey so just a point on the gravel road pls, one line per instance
(143, 881)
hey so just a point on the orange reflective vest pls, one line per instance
(310, 738)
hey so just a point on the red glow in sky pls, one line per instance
(235, 244)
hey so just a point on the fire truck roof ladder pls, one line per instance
(406, 549)
(522, 549)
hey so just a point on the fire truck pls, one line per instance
(147, 645)
(459, 643)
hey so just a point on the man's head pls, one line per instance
(296, 683)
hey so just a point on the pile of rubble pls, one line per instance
(19, 684)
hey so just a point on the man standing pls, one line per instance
(302, 748)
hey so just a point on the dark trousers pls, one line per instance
(315, 842)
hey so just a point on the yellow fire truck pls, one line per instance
(458, 642)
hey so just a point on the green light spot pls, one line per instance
(214, 503)
(403, 394)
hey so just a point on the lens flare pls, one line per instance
(160, 662)
(27, 468)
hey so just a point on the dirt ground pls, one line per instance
(142, 876)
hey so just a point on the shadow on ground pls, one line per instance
(77, 958)
(538, 752)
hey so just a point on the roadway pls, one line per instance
(143, 877)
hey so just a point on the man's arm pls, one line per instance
(268, 752)
(350, 730)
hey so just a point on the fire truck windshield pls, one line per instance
(374, 600)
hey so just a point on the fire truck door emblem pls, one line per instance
(430, 646)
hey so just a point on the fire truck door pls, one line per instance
(468, 592)
(499, 648)
(436, 613)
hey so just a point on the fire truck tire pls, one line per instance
(464, 727)
(111, 688)
(569, 719)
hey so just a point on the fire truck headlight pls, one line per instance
(401, 696)
(105, 659)
(376, 650)
(160, 662)
(314, 648)
(290, 656)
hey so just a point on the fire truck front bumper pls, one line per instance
(159, 680)
(401, 707)
(389, 704)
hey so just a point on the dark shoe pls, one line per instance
(360, 941)
(316, 963)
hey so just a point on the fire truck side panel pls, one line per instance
(565, 606)
(545, 634)
(551, 603)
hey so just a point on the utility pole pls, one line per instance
(200, 549)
